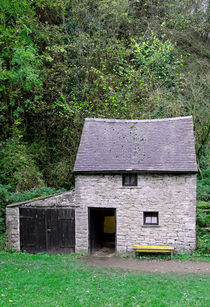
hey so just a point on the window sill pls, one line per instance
(150, 226)
(130, 187)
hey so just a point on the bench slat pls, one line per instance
(154, 249)
(148, 247)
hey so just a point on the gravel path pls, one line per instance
(154, 266)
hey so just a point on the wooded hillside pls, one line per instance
(62, 61)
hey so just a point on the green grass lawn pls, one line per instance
(63, 280)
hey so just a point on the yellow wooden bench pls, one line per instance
(153, 249)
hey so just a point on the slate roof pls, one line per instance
(157, 145)
(63, 199)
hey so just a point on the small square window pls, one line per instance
(129, 180)
(151, 218)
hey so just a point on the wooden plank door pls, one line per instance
(32, 230)
(66, 230)
(60, 231)
(50, 230)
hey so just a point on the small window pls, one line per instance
(151, 218)
(129, 180)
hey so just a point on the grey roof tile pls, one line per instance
(158, 145)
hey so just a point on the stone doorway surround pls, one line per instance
(101, 231)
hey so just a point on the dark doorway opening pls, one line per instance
(102, 230)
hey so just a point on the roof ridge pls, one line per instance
(112, 120)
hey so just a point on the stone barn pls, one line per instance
(135, 183)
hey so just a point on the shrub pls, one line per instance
(203, 189)
(7, 197)
(18, 167)
(202, 218)
(203, 243)
(203, 222)
(4, 198)
(34, 193)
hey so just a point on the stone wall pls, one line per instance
(62, 200)
(12, 224)
(173, 196)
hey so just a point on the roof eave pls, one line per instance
(92, 172)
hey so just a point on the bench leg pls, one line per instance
(171, 255)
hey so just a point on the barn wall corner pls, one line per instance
(13, 228)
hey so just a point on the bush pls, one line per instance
(203, 182)
(202, 218)
(203, 188)
(4, 198)
(203, 204)
(7, 197)
(18, 167)
(203, 222)
(203, 243)
(34, 193)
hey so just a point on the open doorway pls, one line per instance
(102, 231)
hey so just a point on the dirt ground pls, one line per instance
(153, 266)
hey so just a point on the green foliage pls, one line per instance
(18, 167)
(3, 240)
(4, 198)
(137, 68)
(203, 186)
(198, 255)
(30, 41)
(7, 197)
(203, 204)
(203, 230)
(25, 68)
(203, 243)
(20, 62)
(158, 60)
(34, 193)
(202, 218)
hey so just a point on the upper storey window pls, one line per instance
(151, 218)
(129, 180)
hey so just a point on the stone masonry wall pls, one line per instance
(173, 196)
(12, 224)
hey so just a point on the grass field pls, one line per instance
(58, 280)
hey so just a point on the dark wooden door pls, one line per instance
(61, 231)
(51, 230)
(32, 230)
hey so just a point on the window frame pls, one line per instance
(134, 175)
(150, 214)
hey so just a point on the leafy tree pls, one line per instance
(63, 60)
